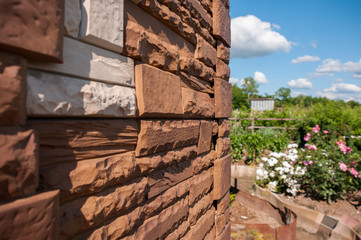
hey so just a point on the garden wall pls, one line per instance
(113, 119)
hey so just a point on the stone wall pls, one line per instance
(113, 119)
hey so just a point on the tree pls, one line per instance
(283, 94)
(250, 86)
(239, 98)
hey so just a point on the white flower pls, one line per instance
(283, 176)
(272, 174)
(272, 186)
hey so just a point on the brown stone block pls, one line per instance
(197, 104)
(214, 128)
(202, 227)
(200, 184)
(222, 98)
(205, 137)
(223, 70)
(221, 222)
(223, 147)
(12, 90)
(164, 135)
(224, 128)
(195, 83)
(196, 68)
(222, 204)
(226, 234)
(198, 12)
(205, 52)
(19, 162)
(158, 92)
(74, 140)
(179, 232)
(32, 28)
(203, 161)
(35, 217)
(222, 176)
(223, 52)
(200, 208)
(168, 177)
(211, 235)
(222, 21)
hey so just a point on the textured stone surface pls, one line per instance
(19, 162)
(102, 23)
(222, 21)
(197, 104)
(202, 227)
(195, 83)
(196, 68)
(223, 52)
(203, 161)
(222, 204)
(221, 222)
(226, 234)
(200, 184)
(223, 147)
(158, 92)
(211, 235)
(35, 217)
(224, 128)
(200, 208)
(162, 135)
(50, 94)
(205, 52)
(215, 128)
(205, 137)
(12, 90)
(222, 176)
(74, 140)
(198, 12)
(179, 232)
(89, 176)
(90, 62)
(222, 98)
(72, 18)
(223, 70)
(32, 28)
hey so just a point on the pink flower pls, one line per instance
(343, 167)
(316, 129)
(343, 147)
(306, 163)
(306, 139)
(354, 172)
(353, 162)
(311, 147)
(308, 135)
(325, 132)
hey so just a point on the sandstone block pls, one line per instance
(19, 162)
(221, 222)
(164, 135)
(102, 23)
(202, 227)
(226, 234)
(179, 232)
(214, 128)
(168, 177)
(85, 177)
(222, 98)
(203, 161)
(196, 68)
(26, 23)
(221, 21)
(205, 137)
(222, 204)
(73, 140)
(12, 90)
(50, 94)
(224, 128)
(211, 235)
(223, 147)
(35, 217)
(200, 184)
(90, 62)
(200, 208)
(205, 52)
(72, 18)
(223, 70)
(197, 104)
(158, 92)
(195, 83)
(223, 52)
(222, 176)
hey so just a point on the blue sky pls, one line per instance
(312, 47)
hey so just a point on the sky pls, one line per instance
(312, 47)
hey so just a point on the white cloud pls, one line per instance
(306, 58)
(260, 78)
(276, 26)
(233, 80)
(253, 38)
(343, 88)
(313, 44)
(338, 80)
(357, 75)
(330, 66)
(301, 83)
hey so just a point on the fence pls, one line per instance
(236, 122)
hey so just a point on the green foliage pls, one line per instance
(250, 86)
(232, 197)
(239, 98)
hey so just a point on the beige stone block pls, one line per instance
(197, 104)
(223, 52)
(90, 62)
(223, 147)
(12, 90)
(205, 137)
(205, 52)
(221, 222)
(34, 217)
(203, 161)
(19, 162)
(222, 21)
(224, 128)
(222, 176)
(158, 92)
(55, 95)
(223, 70)
(222, 98)
(200, 184)
(102, 23)
(72, 18)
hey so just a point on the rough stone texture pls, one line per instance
(223, 52)
(222, 98)
(34, 217)
(215, 128)
(211, 235)
(203, 162)
(19, 162)
(200, 184)
(32, 28)
(158, 92)
(72, 18)
(73, 140)
(223, 70)
(221, 21)
(162, 135)
(205, 137)
(196, 68)
(198, 12)
(195, 83)
(90, 62)
(168, 177)
(202, 227)
(179, 232)
(221, 222)
(223, 147)
(86, 177)
(226, 234)
(102, 23)
(50, 94)
(224, 128)
(12, 90)
(205, 52)
(81, 214)
(200, 208)
(222, 176)
(197, 104)
(222, 204)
